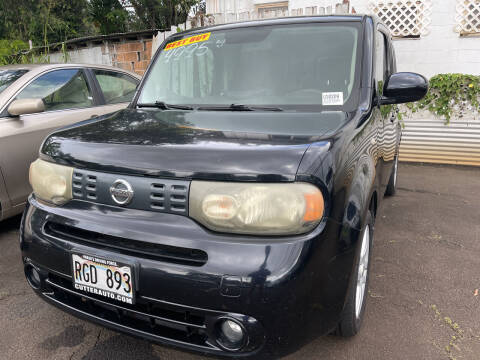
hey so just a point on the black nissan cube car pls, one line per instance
(230, 209)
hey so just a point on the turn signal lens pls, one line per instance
(253, 208)
(51, 182)
(313, 206)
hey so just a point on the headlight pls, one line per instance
(51, 182)
(256, 208)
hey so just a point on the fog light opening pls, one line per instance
(231, 334)
(33, 277)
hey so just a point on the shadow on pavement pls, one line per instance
(10, 224)
(121, 348)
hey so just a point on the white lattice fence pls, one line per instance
(404, 18)
(468, 17)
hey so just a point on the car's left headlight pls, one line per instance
(51, 182)
(256, 208)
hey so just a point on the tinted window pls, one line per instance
(381, 61)
(7, 77)
(288, 65)
(60, 89)
(116, 87)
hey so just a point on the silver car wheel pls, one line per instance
(362, 272)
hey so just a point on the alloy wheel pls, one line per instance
(395, 172)
(362, 272)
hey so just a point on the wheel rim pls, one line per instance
(395, 167)
(362, 272)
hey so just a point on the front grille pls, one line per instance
(159, 320)
(160, 195)
(174, 198)
(136, 248)
(84, 186)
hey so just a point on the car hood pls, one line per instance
(220, 145)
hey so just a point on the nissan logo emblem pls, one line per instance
(121, 192)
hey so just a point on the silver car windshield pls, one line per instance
(292, 66)
(7, 77)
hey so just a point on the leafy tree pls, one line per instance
(154, 14)
(59, 20)
(51, 21)
(109, 16)
(9, 47)
(16, 16)
(44, 21)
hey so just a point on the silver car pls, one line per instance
(37, 99)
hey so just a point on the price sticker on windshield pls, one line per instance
(332, 98)
(187, 41)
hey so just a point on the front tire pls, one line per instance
(352, 315)
(392, 183)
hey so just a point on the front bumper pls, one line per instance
(284, 291)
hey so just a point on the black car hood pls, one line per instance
(221, 145)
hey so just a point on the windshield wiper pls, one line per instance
(239, 107)
(164, 106)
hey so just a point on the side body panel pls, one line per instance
(20, 140)
(21, 137)
(351, 174)
(5, 205)
(390, 136)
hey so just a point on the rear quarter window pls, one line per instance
(116, 87)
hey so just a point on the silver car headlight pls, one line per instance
(256, 208)
(51, 182)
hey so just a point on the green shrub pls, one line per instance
(449, 93)
(10, 50)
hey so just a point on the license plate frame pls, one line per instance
(102, 265)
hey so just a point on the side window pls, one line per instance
(116, 87)
(381, 69)
(392, 63)
(59, 90)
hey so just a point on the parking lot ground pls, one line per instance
(423, 300)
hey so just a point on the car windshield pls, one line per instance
(7, 77)
(294, 66)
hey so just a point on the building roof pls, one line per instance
(98, 39)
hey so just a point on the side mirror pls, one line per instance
(26, 106)
(404, 87)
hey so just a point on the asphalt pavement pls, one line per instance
(424, 298)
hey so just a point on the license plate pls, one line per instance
(103, 277)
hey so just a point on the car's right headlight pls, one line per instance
(51, 182)
(256, 208)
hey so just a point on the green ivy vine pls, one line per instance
(449, 93)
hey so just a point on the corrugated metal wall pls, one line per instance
(427, 139)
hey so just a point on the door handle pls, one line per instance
(93, 116)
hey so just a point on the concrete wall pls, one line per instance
(133, 55)
(91, 55)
